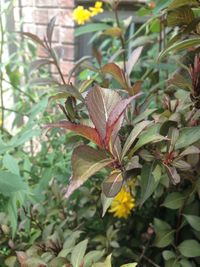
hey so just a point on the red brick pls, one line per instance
(66, 3)
(65, 18)
(28, 2)
(65, 66)
(54, 3)
(67, 35)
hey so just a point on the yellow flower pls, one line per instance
(96, 9)
(122, 204)
(81, 15)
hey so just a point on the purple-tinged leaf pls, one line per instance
(86, 161)
(173, 174)
(34, 38)
(117, 73)
(133, 59)
(100, 103)
(113, 184)
(83, 130)
(50, 29)
(115, 115)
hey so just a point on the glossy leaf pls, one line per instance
(115, 116)
(83, 130)
(100, 103)
(86, 161)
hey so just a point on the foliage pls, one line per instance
(135, 147)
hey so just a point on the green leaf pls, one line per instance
(187, 137)
(178, 46)
(92, 257)
(164, 233)
(11, 164)
(190, 248)
(168, 255)
(133, 135)
(106, 202)
(144, 115)
(106, 263)
(78, 253)
(130, 265)
(10, 182)
(150, 178)
(174, 201)
(194, 221)
(86, 161)
(146, 138)
(92, 27)
(185, 263)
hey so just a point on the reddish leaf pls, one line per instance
(100, 103)
(83, 130)
(115, 116)
(133, 59)
(117, 73)
(86, 161)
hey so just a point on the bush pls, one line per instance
(140, 144)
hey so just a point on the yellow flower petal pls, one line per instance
(122, 204)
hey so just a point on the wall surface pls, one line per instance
(34, 15)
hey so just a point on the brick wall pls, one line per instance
(33, 16)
